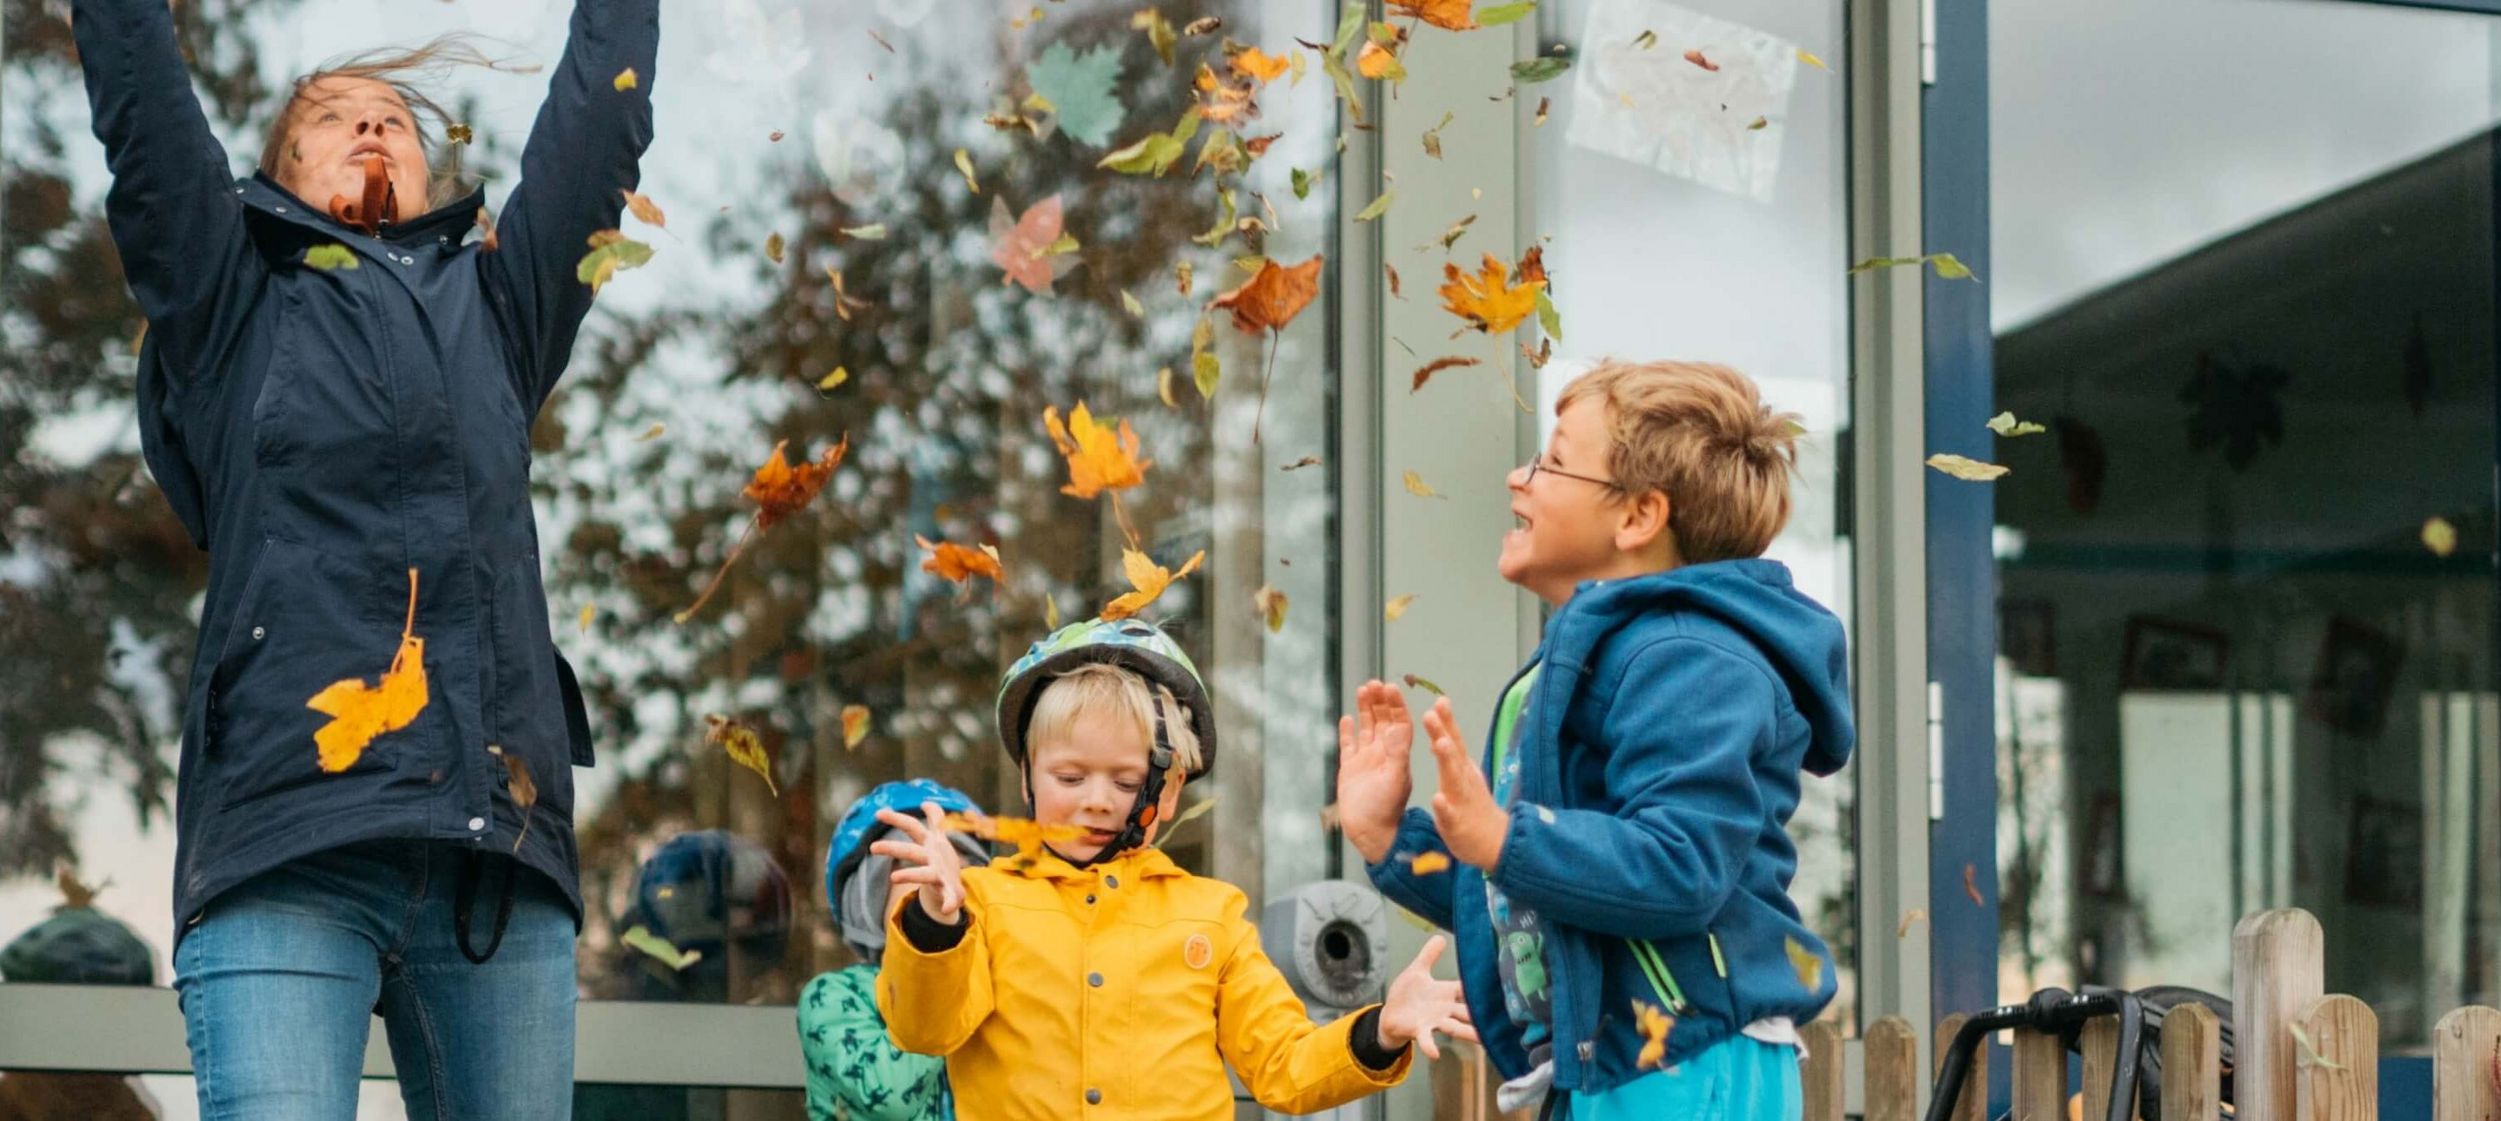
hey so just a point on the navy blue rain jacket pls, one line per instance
(323, 431)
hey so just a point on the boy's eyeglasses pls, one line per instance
(1537, 466)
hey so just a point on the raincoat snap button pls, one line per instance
(1111, 881)
(1094, 1097)
(1587, 1051)
(1094, 979)
(1089, 897)
(476, 823)
(259, 633)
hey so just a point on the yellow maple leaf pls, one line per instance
(1488, 304)
(1654, 1023)
(1149, 579)
(1099, 458)
(359, 712)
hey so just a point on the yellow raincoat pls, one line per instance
(1117, 991)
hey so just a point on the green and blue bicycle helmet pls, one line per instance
(1131, 644)
(856, 879)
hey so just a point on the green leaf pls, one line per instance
(660, 949)
(876, 232)
(1224, 225)
(1303, 181)
(330, 256)
(1537, 70)
(1152, 155)
(1415, 682)
(1223, 150)
(1204, 367)
(2005, 424)
(1333, 60)
(1159, 33)
(1376, 207)
(1131, 305)
(1548, 316)
(1501, 14)
(1079, 87)
(1950, 267)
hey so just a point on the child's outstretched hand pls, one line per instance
(1372, 780)
(928, 861)
(1472, 824)
(1419, 1005)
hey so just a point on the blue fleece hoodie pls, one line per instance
(1660, 759)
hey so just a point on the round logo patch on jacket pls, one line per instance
(1198, 951)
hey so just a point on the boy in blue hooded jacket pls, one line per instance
(1616, 871)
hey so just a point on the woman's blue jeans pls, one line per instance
(280, 975)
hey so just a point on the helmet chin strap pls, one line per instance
(1141, 812)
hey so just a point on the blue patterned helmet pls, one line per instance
(855, 879)
(1131, 644)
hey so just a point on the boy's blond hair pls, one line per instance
(1099, 687)
(1699, 433)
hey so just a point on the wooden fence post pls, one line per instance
(2192, 1064)
(2277, 967)
(1975, 1100)
(2101, 1060)
(2466, 1066)
(2338, 1061)
(1892, 1053)
(1822, 1071)
(2040, 1077)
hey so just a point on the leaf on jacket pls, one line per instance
(1485, 301)
(1654, 1023)
(1100, 458)
(1966, 468)
(1427, 863)
(645, 210)
(519, 784)
(743, 746)
(1270, 604)
(640, 939)
(1808, 964)
(854, 725)
(330, 255)
(359, 712)
(955, 564)
(1079, 88)
(1148, 581)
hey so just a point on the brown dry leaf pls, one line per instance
(1655, 1024)
(1393, 609)
(773, 247)
(1272, 298)
(780, 489)
(645, 210)
(1299, 464)
(1485, 301)
(1450, 15)
(1393, 282)
(854, 725)
(1203, 25)
(955, 564)
(522, 787)
(1914, 915)
(1099, 458)
(1971, 885)
(1148, 580)
(1163, 387)
(1270, 604)
(1181, 277)
(776, 138)
(1696, 57)
(74, 894)
(743, 746)
(844, 302)
(359, 712)
(1427, 863)
(1425, 373)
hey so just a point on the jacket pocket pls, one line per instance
(304, 621)
(527, 713)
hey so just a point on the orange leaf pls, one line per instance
(1426, 372)
(745, 748)
(854, 725)
(1697, 58)
(1149, 579)
(1451, 15)
(782, 490)
(1654, 1023)
(1377, 61)
(360, 712)
(1427, 863)
(955, 564)
(1485, 301)
(1272, 297)
(1027, 836)
(645, 210)
(1260, 64)
(1097, 459)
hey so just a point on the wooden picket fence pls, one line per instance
(2303, 1055)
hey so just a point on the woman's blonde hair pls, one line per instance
(1101, 688)
(1699, 433)
(401, 69)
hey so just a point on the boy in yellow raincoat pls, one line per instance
(1091, 976)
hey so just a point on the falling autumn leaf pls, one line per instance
(1026, 836)
(1099, 457)
(773, 248)
(1377, 207)
(1948, 266)
(625, 80)
(2005, 424)
(1203, 25)
(743, 746)
(1415, 682)
(1205, 369)
(1532, 71)
(1501, 14)
(854, 725)
(640, 939)
(1808, 57)
(645, 211)
(831, 381)
(1272, 298)
(524, 791)
(1449, 15)
(589, 612)
(1759, 124)
(1029, 248)
(1379, 62)
(610, 252)
(2440, 537)
(1971, 885)
(330, 256)
(1299, 464)
(1426, 372)
(1129, 303)
(1655, 1024)
(652, 433)
(964, 163)
(1159, 32)
(1079, 88)
(1197, 810)
(1148, 581)
(1270, 605)
(1427, 863)
(1329, 822)
(1914, 915)
(1417, 487)
(1969, 470)
(458, 134)
(1393, 281)
(359, 712)
(1485, 301)
(1163, 387)
(776, 137)
(1808, 964)
(872, 232)
(780, 489)
(1393, 609)
(955, 564)
(1696, 57)
(1260, 64)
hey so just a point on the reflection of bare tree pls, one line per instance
(96, 577)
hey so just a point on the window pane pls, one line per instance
(1647, 158)
(2242, 665)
